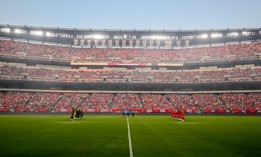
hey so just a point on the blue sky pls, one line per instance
(133, 14)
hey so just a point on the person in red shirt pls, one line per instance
(177, 114)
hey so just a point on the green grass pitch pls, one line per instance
(151, 136)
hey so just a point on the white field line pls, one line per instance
(129, 136)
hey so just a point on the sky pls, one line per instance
(133, 14)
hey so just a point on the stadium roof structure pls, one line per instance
(168, 39)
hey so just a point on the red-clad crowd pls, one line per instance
(96, 102)
(16, 49)
(239, 102)
(126, 101)
(154, 76)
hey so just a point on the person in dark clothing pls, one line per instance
(73, 114)
(79, 113)
(123, 113)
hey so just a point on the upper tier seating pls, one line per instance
(203, 54)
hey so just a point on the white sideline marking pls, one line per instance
(130, 145)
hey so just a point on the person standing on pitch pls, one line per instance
(81, 113)
(73, 113)
(132, 113)
(123, 113)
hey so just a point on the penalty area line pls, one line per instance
(129, 136)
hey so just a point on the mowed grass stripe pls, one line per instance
(58, 136)
(129, 137)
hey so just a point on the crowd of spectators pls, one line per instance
(183, 101)
(63, 102)
(127, 101)
(238, 102)
(155, 101)
(209, 102)
(14, 100)
(97, 101)
(45, 101)
(66, 101)
(191, 103)
(246, 51)
(152, 76)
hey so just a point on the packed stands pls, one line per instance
(14, 101)
(127, 101)
(152, 76)
(145, 102)
(155, 101)
(43, 101)
(34, 101)
(97, 102)
(23, 50)
(239, 102)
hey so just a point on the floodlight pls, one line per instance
(48, 34)
(233, 34)
(98, 36)
(154, 37)
(214, 35)
(203, 36)
(248, 33)
(39, 33)
(6, 30)
(19, 31)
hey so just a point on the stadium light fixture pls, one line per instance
(154, 37)
(248, 33)
(203, 36)
(98, 36)
(48, 34)
(5, 30)
(51, 34)
(232, 34)
(158, 37)
(215, 35)
(19, 31)
(39, 33)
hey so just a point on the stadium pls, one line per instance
(203, 72)
(71, 91)
(54, 69)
